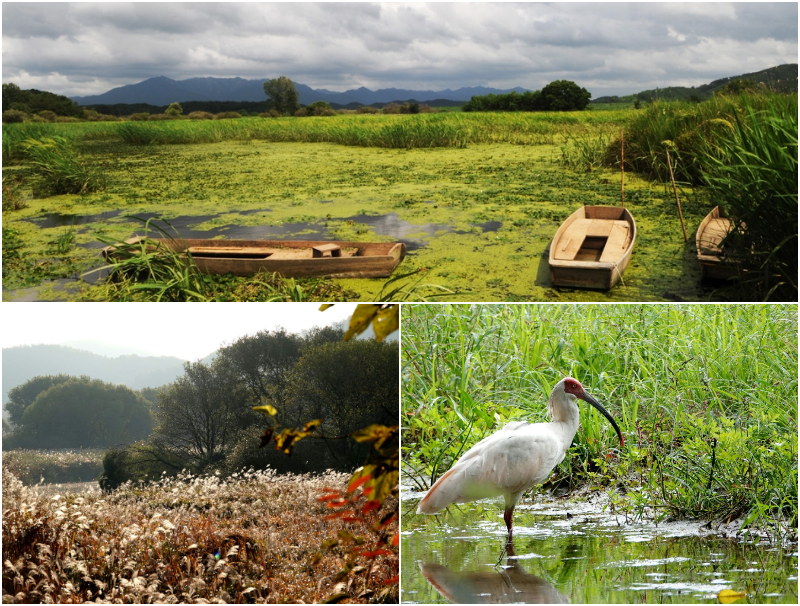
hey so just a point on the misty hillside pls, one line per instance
(25, 362)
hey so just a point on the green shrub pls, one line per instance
(47, 115)
(12, 116)
(367, 109)
(140, 117)
(201, 116)
(174, 110)
(227, 116)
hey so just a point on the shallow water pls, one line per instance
(588, 556)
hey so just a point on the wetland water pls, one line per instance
(461, 556)
(479, 220)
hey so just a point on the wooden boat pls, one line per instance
(290, 258)
(592, 247)
(715, 262)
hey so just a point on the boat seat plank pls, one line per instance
(599, 228)
(617, 242)
(570, 243)
(319, 251)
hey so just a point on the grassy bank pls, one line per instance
(705, 396)
(253, 537)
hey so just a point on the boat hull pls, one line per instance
(710, 253)
(592, 248)
(290, 258)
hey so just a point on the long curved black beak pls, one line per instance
(607, 415)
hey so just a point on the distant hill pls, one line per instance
(781, 79)
(163, 91)
(25, 362)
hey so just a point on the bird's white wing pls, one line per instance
(507, 462)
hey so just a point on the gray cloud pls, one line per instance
(80, 49)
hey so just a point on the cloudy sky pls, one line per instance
(609, 48)
(188, 331)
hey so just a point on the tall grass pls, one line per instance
(745, 149)
(752, 173)
(705, 396)
(388, 131)
(251, 537)
(59, 167)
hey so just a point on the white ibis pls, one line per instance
(516, 458)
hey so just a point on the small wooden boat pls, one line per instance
(592, 247)
(290, 258)
(716, 263)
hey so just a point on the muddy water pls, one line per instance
(574, 553)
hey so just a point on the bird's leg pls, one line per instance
(508, 517)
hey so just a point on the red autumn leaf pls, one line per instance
(350, 519)
(333, 516)
(336, 503)
(369, 490)
(396, 539)
(328, 497)
(358, 482)
(393, 580)
(370, 505)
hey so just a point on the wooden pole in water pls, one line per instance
(675, 189)
(622, 165)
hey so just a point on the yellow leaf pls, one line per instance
(312, 425)
(325, 306)
(386, 321)
(362, 316)
(729, 596)
(266, 409)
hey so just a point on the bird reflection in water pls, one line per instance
(510, 584)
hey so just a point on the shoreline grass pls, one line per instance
(705, 395)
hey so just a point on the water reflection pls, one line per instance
(590, 556)
(507, 584)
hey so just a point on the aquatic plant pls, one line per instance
(59, 168)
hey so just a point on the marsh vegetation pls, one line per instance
(705, 397)
(476, 196)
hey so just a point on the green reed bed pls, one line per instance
(705, 396)
(450, 129)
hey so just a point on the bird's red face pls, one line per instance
(572, 386)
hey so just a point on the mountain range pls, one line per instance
(161, 91)
(27, 361)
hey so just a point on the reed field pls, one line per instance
(705, 396)
(254, 537)
(476, 197)
(33, 467)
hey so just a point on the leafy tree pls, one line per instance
(263, 363)
(198, 414)
(349, 385)
(174, 109)
(22, 396)
(564, 95)
(81, 412)
(282, 94)
(319, 108)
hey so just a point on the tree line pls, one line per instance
(561, 95)
(204, 421)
